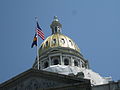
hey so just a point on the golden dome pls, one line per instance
(58, 40)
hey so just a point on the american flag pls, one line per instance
(40, 32)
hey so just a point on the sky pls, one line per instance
(93, 24)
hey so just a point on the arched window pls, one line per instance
(83, 65)
(71, 42)
(66, 62)
(46, 43)
(76, 63)
(55, 62)
(62, 41)
(54, 41)
(46, 64)
(55, 29)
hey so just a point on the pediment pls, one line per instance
(33, 79)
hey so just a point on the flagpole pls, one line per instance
(37, 48)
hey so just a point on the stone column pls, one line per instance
(40, 65)
(61, 60)
(72, 61)
(80, 64)
(49, 61)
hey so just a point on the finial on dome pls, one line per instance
(56, 18)
(56, 26)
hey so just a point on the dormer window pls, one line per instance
(46, 43)
(54, 41)
(62, 41)
(71, 42)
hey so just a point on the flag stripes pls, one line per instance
(40, 34)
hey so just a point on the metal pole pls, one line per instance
(37, 48)
(37, 53)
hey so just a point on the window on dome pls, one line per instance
(59, 29)
(83, 65)
(71, 42)
(76, 63)
(66, 62)
(46, 64)
(55, 29)
(55, 62)
(47, 43)
(54, 41)
(62, 41)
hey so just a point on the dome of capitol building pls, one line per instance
(57, 39)
(60, 54)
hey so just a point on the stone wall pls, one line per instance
(110, 86)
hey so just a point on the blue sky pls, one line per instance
(93, 24)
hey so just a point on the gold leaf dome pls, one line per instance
(57, 39)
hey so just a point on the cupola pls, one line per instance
(56, 26)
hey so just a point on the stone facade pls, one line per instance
(110, 86)
(42, 80)
(33, 79)
(61, 56)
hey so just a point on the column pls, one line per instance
(61, 60)
(72, 61)
(49, 61)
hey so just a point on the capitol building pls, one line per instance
(61, 67)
